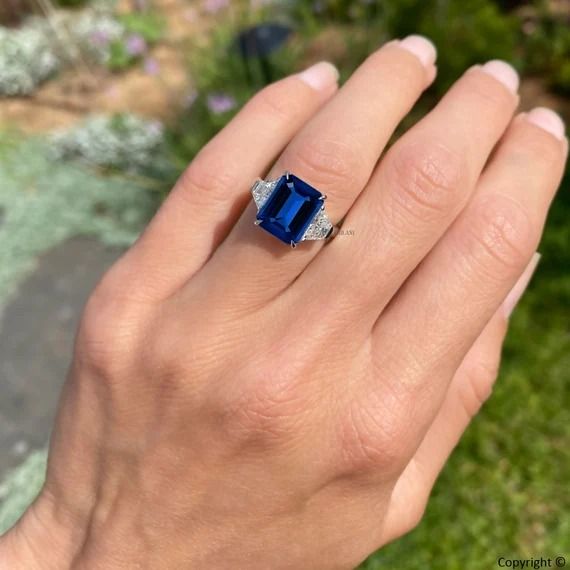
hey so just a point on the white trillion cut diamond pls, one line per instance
(261, 190)
(319, 228)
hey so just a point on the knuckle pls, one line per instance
(330, 163)
(368, 442)
(414, 514)
(425, 178)
(268, 413)
(204, 180)
(109, 330)
(503, 234)
(477, 386)
(277, 102)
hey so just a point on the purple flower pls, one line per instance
(100, 38)
(213, 6)
(135, 45)
(219, 103)
(151, 66)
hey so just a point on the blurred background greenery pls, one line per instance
(103, 103)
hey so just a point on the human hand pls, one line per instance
(236, 404)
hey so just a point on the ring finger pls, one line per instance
(336, 153)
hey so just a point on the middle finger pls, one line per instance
(417, 191)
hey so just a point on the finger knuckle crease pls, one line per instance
(330, 163)
(425, 179)
(277, 103)
(504, 232)
(205, 180)
(368, 442)
(263, 415)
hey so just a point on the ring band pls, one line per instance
(291, 210)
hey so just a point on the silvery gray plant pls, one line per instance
(39, 48)
(26, 59)
(121, 141)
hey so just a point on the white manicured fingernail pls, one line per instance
(503, 72)
(517, 291)
(547, 120)
(320, 76)
(422, 48)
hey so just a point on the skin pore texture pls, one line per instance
(231, 400)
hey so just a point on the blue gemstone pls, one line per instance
(289, 209)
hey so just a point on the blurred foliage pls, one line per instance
(27, 58)
(218, 68)
(71, 3)
(122, 142)
(44, 201)
(466, 33)
(149, 25)
(20, 488)
(32, 53)
(547, 47)
(146, 28)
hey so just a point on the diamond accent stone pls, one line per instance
(261, 190)
(319, 228)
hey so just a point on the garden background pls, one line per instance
(103, 103)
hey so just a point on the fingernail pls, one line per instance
(422, 48)
(517, 291)
(547, 120)
(320, 76)
(503, 72)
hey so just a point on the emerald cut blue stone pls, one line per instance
(289, 209)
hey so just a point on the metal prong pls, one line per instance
(323, 197)
(257, 222)
(293, 244)
(287, 175)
